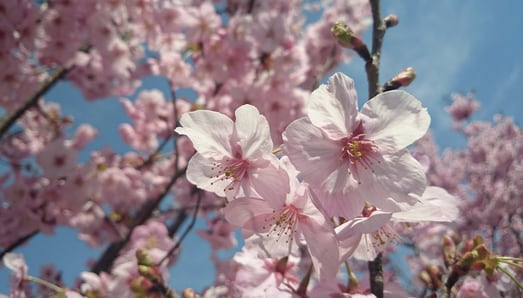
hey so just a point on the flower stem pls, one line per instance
(44, 283)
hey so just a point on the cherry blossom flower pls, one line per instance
(349, 157)
(257, 276)
(282, 216)
(230, 155)
(16, 263)
(58, 159)
(374, 230)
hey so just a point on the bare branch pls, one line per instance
(18, 242)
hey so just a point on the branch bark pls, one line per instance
(376, 276)
(378, 32)
(372, 69)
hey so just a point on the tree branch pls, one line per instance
(55, 76)
(17, 243)
(111, 253)
(187, 230)
(376, 276)
(378, 32)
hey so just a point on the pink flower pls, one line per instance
(472, 288)
(349, 157)
(58, 159)
(256, 276)
(230, 155)
(462, 107)
(283, 216)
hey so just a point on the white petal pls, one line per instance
(397, 176)
(210, 132)
(334, 107)
(436, 204)
(362, 225)
(16, 263)
(253, 132)
(201, 172)
(394, 120)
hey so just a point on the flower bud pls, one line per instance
(348, 39)
(402, 79)
(151, 273)
(405, 77)
(345, 36)
(143, 257)
(449, 251)
(391, 20)
(188, 293)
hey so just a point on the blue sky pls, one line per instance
(462, 45)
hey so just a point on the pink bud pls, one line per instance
(405, 77)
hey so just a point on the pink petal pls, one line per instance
(209, 132)
(272, 184)
(315, 156)
(248, 212)
(333, 107)
(394, 119)
(323, 247)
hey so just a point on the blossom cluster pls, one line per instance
(337, 184)
(245, 137)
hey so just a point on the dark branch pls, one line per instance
(376, 276)
(146, 210)
(17, 243)
(378, 32)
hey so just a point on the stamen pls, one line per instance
(283, 224)
(233, 170)
(358, 151)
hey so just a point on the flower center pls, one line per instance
(283, 223)
(383, 236)
(232, 170)
(358, 151)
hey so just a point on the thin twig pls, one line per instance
(186, 232)
(177, 223)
